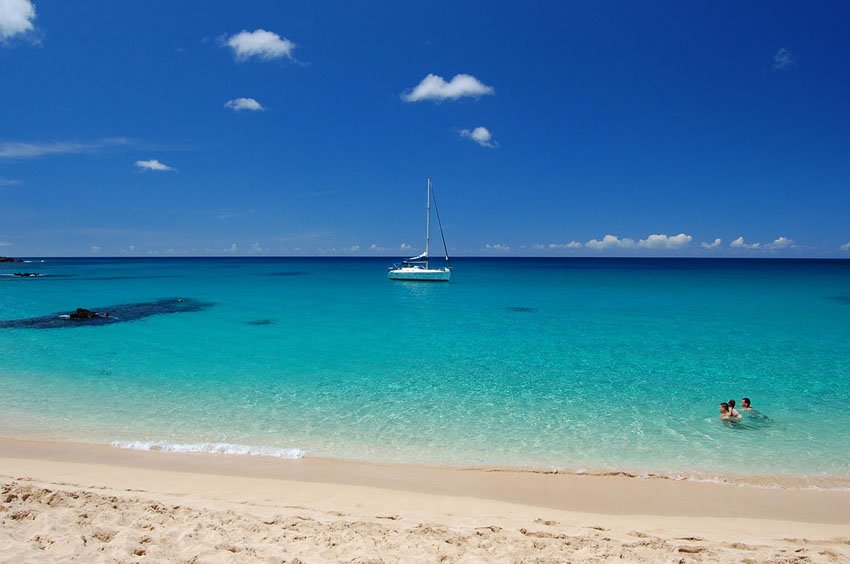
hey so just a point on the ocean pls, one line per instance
(575, 365)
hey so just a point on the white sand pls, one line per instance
(63, 501)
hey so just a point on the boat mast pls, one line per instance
(428, 226)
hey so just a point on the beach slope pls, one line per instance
(62, 501)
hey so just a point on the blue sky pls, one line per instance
(548, 128)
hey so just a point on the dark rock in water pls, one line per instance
(261, 322)
(842, 299)
(107, 315)
(522, 309)
(83, 313)
(290, 273)
(27, 274)
(10, 259)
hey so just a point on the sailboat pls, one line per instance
(419, 267)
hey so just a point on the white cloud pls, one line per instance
(405, 247)
(153, 164)
(94, 249)
(256, 248)
(433, 87)
(239, 104)
(713, 245)
(5, 244)
(739, 243)
(665, 241)
(353, 248)
(23, 150)
(8, 181)
(233, 248)
(260, 43)
(570, 245)
(845, 247)
(497, 247)
(480, 135)
(16, 17)
(656, 241)
(782, 243)
(783, 60)
(610, 242)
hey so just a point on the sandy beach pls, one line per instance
(63, 501)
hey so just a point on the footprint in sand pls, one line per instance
(542, 521)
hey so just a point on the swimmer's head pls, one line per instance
(745, 402)
(724, 407)
(731, 403)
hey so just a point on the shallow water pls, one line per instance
(598, 364)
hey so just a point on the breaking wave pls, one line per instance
(212, 448)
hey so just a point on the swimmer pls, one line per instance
(745, 404)
(732, 411)
(726, 413)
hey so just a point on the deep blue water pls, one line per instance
(569, 363)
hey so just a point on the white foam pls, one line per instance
(212, 448)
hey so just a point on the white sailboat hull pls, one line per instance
(423, 274)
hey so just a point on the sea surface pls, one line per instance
(578, 365)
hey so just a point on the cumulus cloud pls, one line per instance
(713, 245)
(256, 248)
(782, 243)
(845, 247)
(8, 181)
(783, 60)
(739, 243)
(353, 248)
(5, 244)
(433, 87)
(665, 241)
(480, 135)
(610, 242)
(405, 247)
(240, 104)
(23, 150)
(497, 247)
(16, 17)
(655, 241)
(153, 164)
(94, 249)
(556, 246)
(262, 44)
(233, 248)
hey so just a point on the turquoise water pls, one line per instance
(577, 364)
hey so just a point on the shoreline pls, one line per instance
(624, 493)
(65, 500)
(760, 481)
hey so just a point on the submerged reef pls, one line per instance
(107, 315)
(841, 298)
(261, 322)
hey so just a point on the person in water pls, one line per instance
(745, 405)
(726, 413)
(732, 411)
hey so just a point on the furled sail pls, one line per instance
(419, 257)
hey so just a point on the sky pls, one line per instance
(569, 128)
